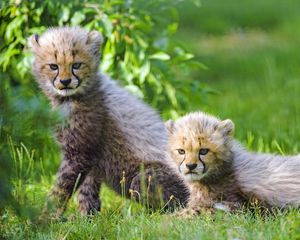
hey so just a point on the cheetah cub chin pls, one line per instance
(109, 136)
(219, 170)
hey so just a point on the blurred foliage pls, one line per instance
(218, 17)
(138, 50)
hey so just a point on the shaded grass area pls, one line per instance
(220, 17)
(252, 53)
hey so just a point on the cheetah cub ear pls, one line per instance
(170, 126)
(226, 127)
(33, 42)
(94, 39)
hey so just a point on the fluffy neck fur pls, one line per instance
(219, 176)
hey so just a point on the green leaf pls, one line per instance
(160, 56)
(65, 14)
(144, 71)
(12, 27)
(197, 65)
(184, 57)
(172, 28)
(77, 18)
(171, 93)
(107, 25)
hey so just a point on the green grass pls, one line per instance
(252, 54)
(258, 84)
(123, 219)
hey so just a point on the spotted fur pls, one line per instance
(234, 173)
(109, 135)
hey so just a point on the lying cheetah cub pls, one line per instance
(200, 145)
(218, 169)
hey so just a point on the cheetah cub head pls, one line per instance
(199, 145)
(66, 60)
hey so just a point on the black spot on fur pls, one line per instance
(74, 52)
(36, 37)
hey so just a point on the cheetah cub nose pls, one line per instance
(191, 166)
(65, 82)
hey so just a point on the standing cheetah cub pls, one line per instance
(109, 134)
(218, 169)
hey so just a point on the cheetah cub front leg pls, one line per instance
(199, 203)
(73, 174)
(88, 193)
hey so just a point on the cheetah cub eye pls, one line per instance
(53, 66)
(181, 151)
(203, 151)
(76, 65)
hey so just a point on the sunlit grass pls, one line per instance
(256, 77)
